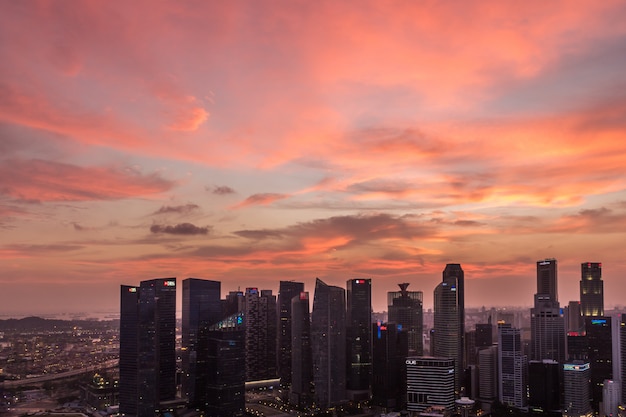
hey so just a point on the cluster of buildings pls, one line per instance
(329, 353)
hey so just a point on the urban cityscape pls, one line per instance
(325, 352)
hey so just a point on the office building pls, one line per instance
(488, 376)
(390, 349)
(430, 383)
(261, 334)
(287, 290)
(512, 368)
(575, 322)
(201, 309)
(223, 348)
(600, 342)
(591, 289)
(449, 332)
(359, 339)
(301, 393)
(544, 387)
(405, 308)
(611, 396)
(546, 318)
(622, 354)
(576, 389)
(328, 331)
(148, 338)
(233, 303)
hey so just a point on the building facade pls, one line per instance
(261, 334)
(576, 389)
(512, 368)
(430, 383)
(405, 308)
(591, 289)
(287, 290)
(359, 339)
(301, 392)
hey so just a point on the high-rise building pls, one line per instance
(151, 379)
(600, 342)
(591, 289)
(449, 332)
(484, 335)
(622, 353)
(544, 386)
(359, 339)
(611, 395)
(233, 303)
(430, 383)
(286, 291)
(546, 318)
(405, 308)
(328, 331)
(223, 351)
(129, 325)
(488, 376)
(390, 350)
(575, 322)
(201, 309)
(261, 335)
(576, 390)
(547, 278)
(512, 367)
(301, 393)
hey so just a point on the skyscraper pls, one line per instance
(328, 327)
(430, 382)
(359, 339)
(389, 350)
(405, 308)
(261, 334)
(287, 290)
(576, 392)
(223, 351)
(152, 379)
(512, 367)
(301, 393)
(591, 289)
(488, 376)
(546, 319)
(449, 331)
(544, 386)
(600, 342)
(201, 309)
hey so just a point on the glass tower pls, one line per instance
(359, 338)
(591, 289)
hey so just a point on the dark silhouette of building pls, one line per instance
(575, 322)
(154, 378)
(201, 309)
(390, 349)
(301, 391)
(544, 387)
(261, 335)
(287, 290)
(591, 289)
(546, 319)
(622, 336)
(233, 303)
(449, 330)
(359, 339)
(223, 348)
(405, 308)
(328, 326)
(129, 325)
(484, 334)
(600, 342)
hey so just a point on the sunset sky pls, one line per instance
(258, 141)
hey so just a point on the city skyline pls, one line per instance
(252, 144)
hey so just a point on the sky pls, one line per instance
(251, 142)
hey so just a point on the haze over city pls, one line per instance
(254, 142)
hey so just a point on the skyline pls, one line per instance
(252, 143)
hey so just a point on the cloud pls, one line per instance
(40, 180)
(180, 229)
(182, 209)
(222, 190)
(262, 199)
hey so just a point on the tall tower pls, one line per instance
(546, 319)
(390, 348)
(201, 309)
(405, 308)
(591, 289)
(359, 338)
(576, 390)
(301, 394)
(449, 331)
(328, 327)
(512, 367)
(261, 335)
(147, 357)
(286, 291)
(600, 343)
